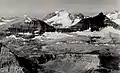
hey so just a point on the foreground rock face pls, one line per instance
(62, 63)
(72, 63)
(8, 63)
(110, 60)
(32, 56)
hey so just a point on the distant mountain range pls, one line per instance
(62, 21)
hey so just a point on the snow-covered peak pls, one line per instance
(27, 19)
(60, 11)
(114, 16)
(62, 17)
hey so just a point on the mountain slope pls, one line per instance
(30, 25)
(94, 23)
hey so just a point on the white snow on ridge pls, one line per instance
(76, 21)
(25, 33)
(27, 19)
(117, 21)
(13, 36)
(7, 20)
(1, 23)
(115, 17)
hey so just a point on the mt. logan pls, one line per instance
(63, 19)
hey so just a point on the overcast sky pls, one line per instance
(42, 7)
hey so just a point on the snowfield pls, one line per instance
(103, 33)
(53, 35)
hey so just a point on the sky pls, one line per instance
(43, 7)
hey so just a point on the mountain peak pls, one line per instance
(63, 17)
(62, 13)
(114, 12)
(59, 11)
(113, 15)
(27, 18)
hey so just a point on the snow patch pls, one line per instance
(41, 38)
(52, 35)
(7, 20)
(13, 36)
(2, 23)
(75, 21)
(25, 33)
(56, 35)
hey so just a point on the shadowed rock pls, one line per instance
(29, 64)
(92, 22)
(34, 25)
(0, 47)
(109, 60)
